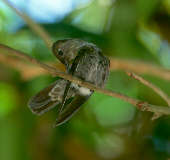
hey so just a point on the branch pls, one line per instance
(144, 106)
(33, 25)
(152, 86)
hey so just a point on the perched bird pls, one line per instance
(83, 60)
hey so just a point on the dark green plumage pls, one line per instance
(83, 60)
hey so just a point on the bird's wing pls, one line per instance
(104, 71)
(48, 98)
(68, 85)
(71, 109)
(66, 91)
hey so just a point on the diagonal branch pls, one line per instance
(152, 86)
(144, 106)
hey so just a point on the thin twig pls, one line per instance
(150, 85)
(144, 106)
(33, 25)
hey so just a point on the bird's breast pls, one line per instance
(81, 90)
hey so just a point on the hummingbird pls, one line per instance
(83, 60)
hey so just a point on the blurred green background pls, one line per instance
(105, 128)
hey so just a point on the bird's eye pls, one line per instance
(60, 52)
